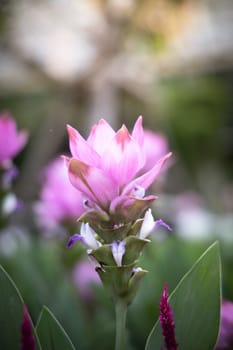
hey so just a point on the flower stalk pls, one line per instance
(121, 312)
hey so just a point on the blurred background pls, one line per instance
(77, 61)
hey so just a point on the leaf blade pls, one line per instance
(196, 305)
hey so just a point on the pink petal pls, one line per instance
(138, 133)
(80, 149)
(123, 158)
(101, 136)
(92, 182)
(148, 178)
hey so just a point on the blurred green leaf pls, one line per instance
(196, 306)
(51, 334)
(11, 313)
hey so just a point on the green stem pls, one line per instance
(121, 311)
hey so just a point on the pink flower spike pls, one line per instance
(167, 321)
(27, 340)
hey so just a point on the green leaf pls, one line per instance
(51, 334)
(134, 247)
(11, 313)
(196, 306)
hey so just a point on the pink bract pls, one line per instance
(107, 169)
(11, 140)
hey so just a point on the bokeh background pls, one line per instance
(77, 61)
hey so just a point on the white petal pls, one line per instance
(147, 225)
(89, 236)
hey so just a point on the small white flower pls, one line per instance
(147, 225)
(118, 250)
(88, 235)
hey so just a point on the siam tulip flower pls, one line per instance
(225, 339)
(167, 322)
(106, 168)
(59, 201)
(11, 141)
(112, 171)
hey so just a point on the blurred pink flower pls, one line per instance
(59, 200)
(106, 168)
(225, 339)
(155, 146)
(84, 277)
(11, 140)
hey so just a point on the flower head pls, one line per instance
(112, 171)
(167, 322)
(107, 169)
(11, 140)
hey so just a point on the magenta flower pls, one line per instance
(59, 201)
(11, 141)
(106, 168)
(167, 322)
(27, 340)
(225, 339)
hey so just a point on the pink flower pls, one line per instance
(84, 277)
(225, 339)
(11, 141)
(107, 169)
(59, 200)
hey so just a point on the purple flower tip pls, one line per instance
(167, 322)
(160, 222)
(73, 239)
(27, 340)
